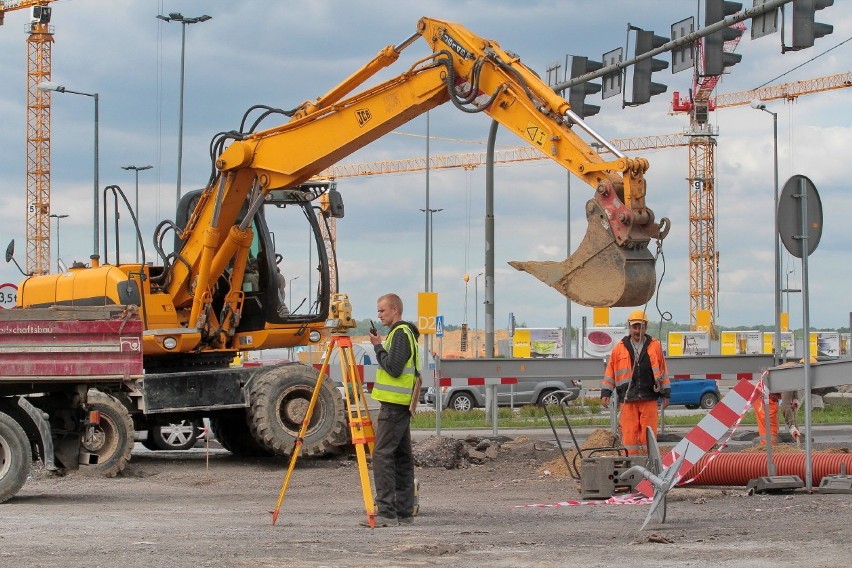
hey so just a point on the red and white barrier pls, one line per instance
(476, 381)
(698, 441)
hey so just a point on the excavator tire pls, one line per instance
(232, 431)
(112, 439)
(280, 397)
(15, 457)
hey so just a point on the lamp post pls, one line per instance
(137, 169)
(178, 17)
(430, 283)
(50, 86)
(476, 314)
(57, 217)
(757, 104)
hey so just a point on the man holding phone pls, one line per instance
(396, 378)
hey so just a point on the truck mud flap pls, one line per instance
(197, 390)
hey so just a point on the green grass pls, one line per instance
(534, 417)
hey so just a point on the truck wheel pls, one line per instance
(172, 436)
(462, 401)
(231, 430)
(709, 400)
(280, 397)
(15, 457)
(111, 440)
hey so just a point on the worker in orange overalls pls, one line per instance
(789, 405)
(636, 371)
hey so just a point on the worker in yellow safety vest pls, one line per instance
(396, 383)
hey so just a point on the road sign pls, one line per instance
(8, 295)
(427, 312)
(799, 191)
(439, 326)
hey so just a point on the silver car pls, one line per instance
(528, 391)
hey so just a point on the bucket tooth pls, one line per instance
(599, 273)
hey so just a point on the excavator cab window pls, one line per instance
(287, 277)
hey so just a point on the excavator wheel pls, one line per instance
(231, 430)
(111, 440)
(280, 397)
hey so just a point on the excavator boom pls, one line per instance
(612, 266)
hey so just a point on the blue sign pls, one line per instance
(439, 326)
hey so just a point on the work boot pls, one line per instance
(382, 521)
(406, 520)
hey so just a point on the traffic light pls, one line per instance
(643, 88)
(577, 94)
(715, 57)
(805, 30)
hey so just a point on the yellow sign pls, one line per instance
(600, 317)
(521, 343)
(702, 320)
(427, 312)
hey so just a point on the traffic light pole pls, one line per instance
(674, 44)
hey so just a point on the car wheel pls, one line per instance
(709, 400)
(173, 436)
(549, 398)
(462, 401)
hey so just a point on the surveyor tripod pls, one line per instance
(360, 424)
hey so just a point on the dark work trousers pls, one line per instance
(393, 463)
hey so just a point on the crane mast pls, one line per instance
(39, 46)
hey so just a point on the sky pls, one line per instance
(281, 53)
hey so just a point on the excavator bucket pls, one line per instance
(600, 273)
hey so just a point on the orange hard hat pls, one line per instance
(812, 359)
(637, 315)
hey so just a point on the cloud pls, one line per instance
(282, 53)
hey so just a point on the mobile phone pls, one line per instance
(373, 328)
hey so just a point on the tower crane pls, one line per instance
(39, 44)
(702, 250)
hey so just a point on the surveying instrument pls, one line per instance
(360, 424)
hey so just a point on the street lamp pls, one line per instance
(50, 86)
(757, 104)
(476, 314)
(430, 281)
(57, 217)
(177, 17)
(137, 169)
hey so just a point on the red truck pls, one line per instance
(58, 366)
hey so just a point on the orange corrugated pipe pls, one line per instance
(735, 468)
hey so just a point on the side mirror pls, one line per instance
(335, 204)
(10, 255)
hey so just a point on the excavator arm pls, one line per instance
(612, 266)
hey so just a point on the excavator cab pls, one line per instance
(277, 257)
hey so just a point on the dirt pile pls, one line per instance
(600, 438)
(454, 453)
(450, 346)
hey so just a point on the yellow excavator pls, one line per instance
(215, 294)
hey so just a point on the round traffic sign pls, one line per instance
(8, 295)
(799, 192)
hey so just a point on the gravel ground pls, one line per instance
(202, 508)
